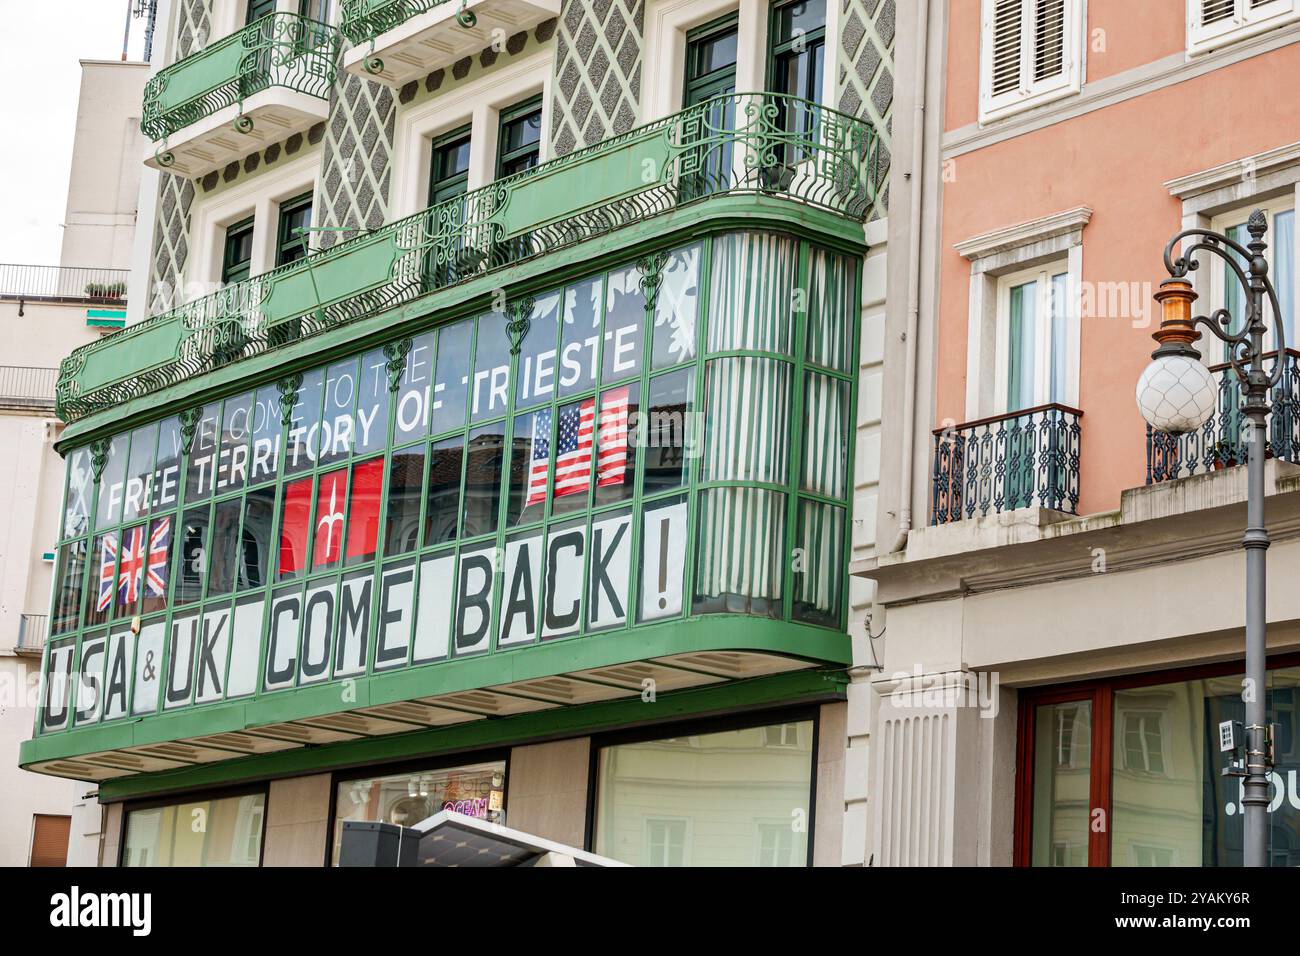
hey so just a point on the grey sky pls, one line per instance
(38, 111)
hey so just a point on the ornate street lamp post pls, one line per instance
(1177, 394)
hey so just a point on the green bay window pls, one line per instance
(665, 439)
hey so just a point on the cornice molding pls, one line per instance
(1234, 172)
(1025, 233)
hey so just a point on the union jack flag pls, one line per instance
(143, 572)
(108, 557)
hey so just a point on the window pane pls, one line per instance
(336, 418)
(573, 437)
(1060, 307)
(231, 834)
(164, 488)
(406, 799)
(721, 799)
(303, 448)
(580, 347)
(536, 380)
(484, 472)
(139, 472)
(200, 477)
(236, 425)
(666, 429)
(490, 392)
(1062, 783)
(615, 447)
(103, 582)
(624, 325)
(255, 539)
(109, 509)
(676, 308)
(81, 484)
(413, 390)
(529, 462)
(264, 444)
(1021, 322)
(194, 556)
(405, 483)
(747, 420)
(225, 546)
(750, 293)
(1284, 270)
(363, 513)
(370, 428)
(827, 424)
(740, 549)
(295, 515)
(67, 596)
(331, 497)
(158, 562)
(445, 460)
(819, 564)
(831, 310)
(451, 384)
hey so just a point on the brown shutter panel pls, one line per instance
(50, 840)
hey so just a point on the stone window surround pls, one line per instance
(477, 104)
(259, 197)
(1209, 195)
(1004, 252)
(668, 22)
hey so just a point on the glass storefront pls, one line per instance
(407, 798)
(649, 443)
(1160, 764)
(224, 831)
(730, 798)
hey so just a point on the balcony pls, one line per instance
(248, 90)
(27, 388)
(1023, 459)
(32, 629)
(396, 41)
(1218, 443)
(61, 284)
(784, 154)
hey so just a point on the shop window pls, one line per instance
(1031, 53)
(222, 831)
(410, 797)
(1154, 773)
(716, 798)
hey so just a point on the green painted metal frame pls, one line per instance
(280, 49)
(582, 650)
(760, 693)
(622, 181)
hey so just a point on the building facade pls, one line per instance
(496, 421)
(46, 310)
(1065, 602)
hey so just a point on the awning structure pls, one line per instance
(454, 839)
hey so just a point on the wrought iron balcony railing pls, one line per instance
(1022, 459)
(22, 387)
(32, 630)
(759, 144)
(279, 49)
(1218, 443)
(58, 282)
(363, 20)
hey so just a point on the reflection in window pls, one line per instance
(665, 429)
(1062, 763)
(405, 479)
(485, 461)
(231, 834)
(408, 798)
(716, 799)
(193, 557)
(67, 597)
(443, 508)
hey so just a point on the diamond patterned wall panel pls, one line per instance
(597, 71)
(356, 170)
(865, 82)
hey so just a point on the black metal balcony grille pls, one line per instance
(1023, 459)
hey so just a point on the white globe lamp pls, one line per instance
(1176, 393)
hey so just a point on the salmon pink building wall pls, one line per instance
(1114, 160)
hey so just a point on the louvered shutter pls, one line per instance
(1049, 61)
(1212, 23)
(50, 840)
(1006, 31)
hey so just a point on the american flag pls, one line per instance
(574, 442)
